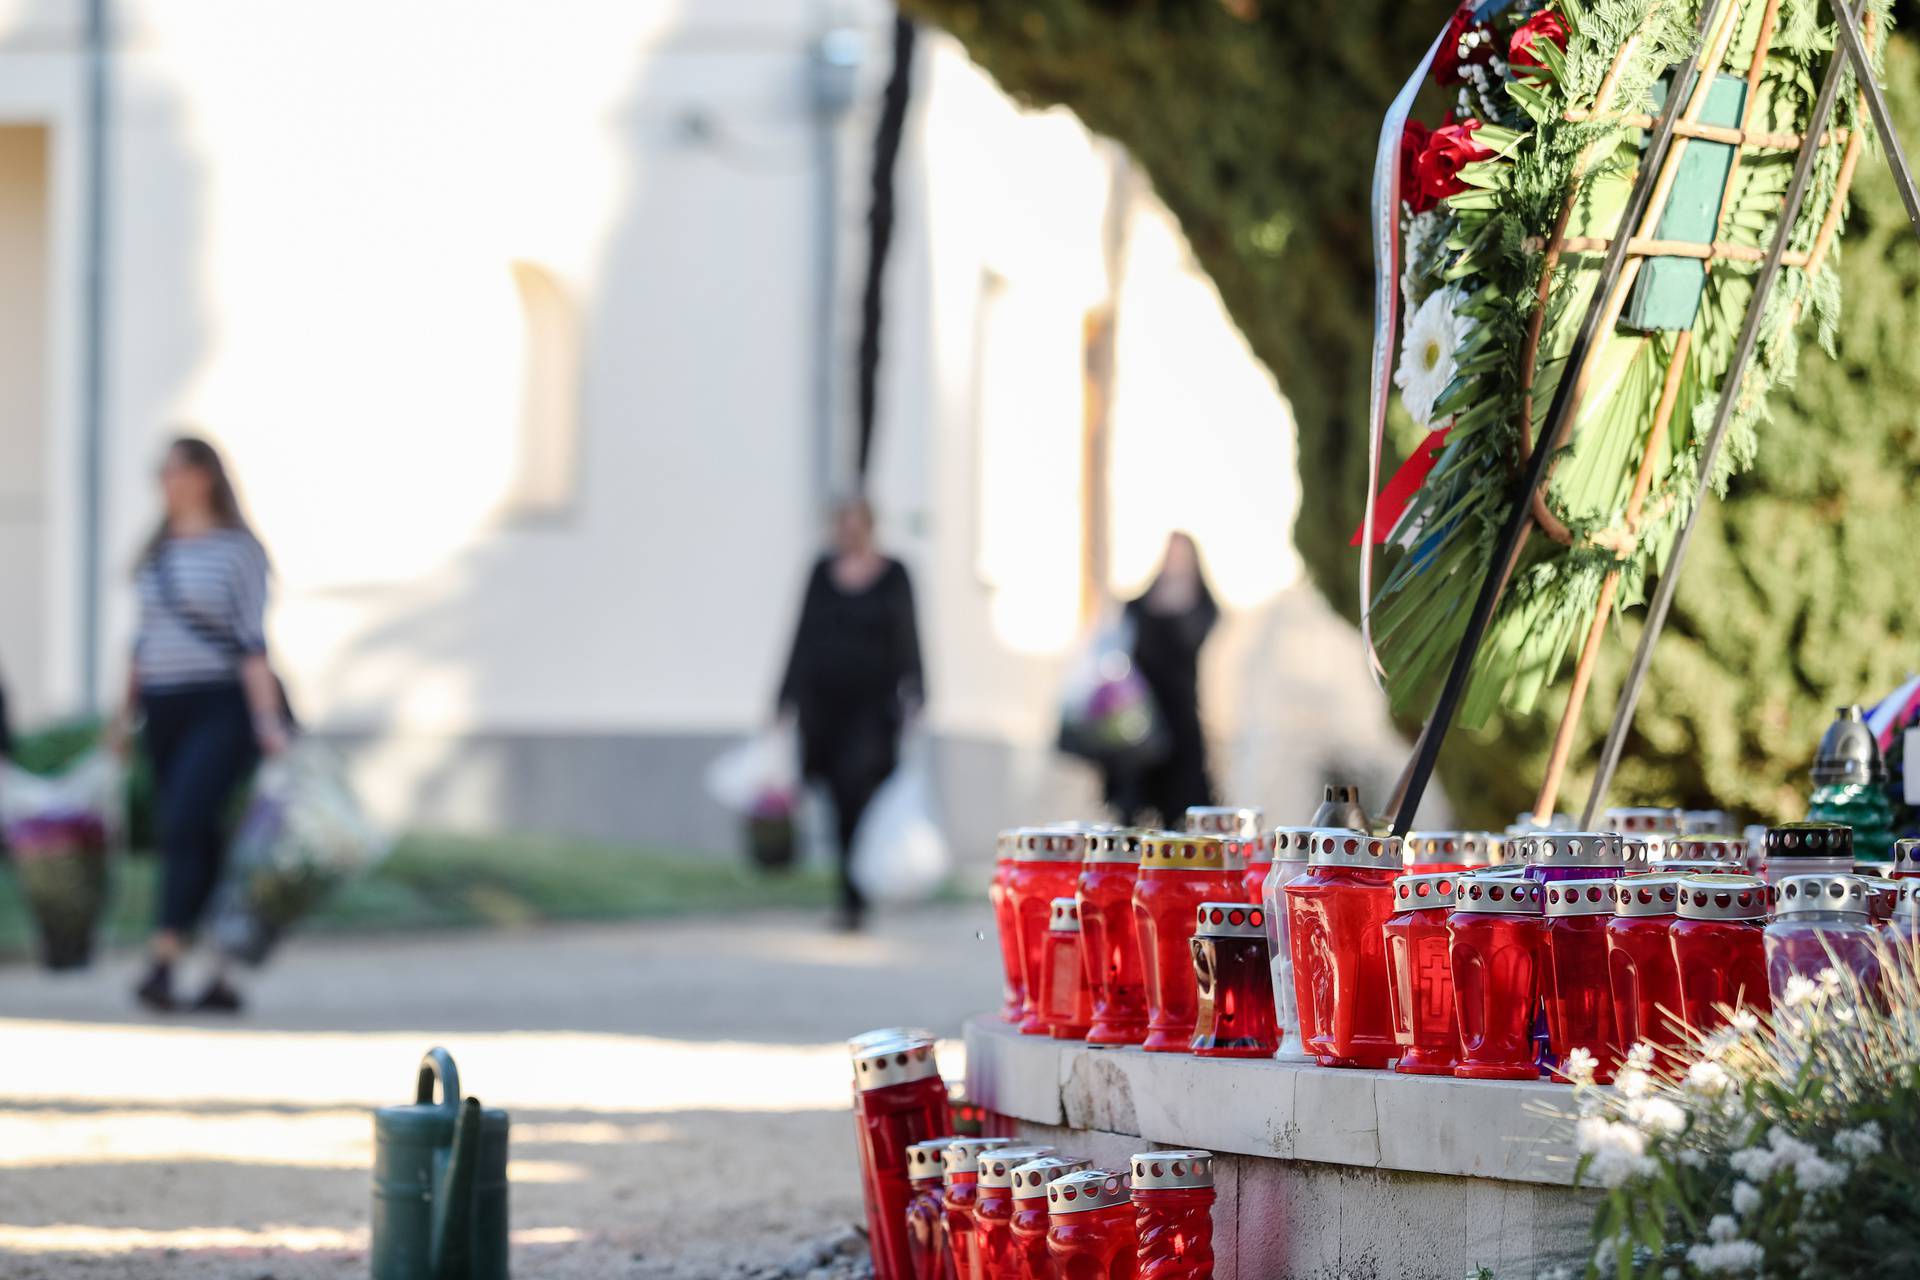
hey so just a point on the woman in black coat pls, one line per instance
(1170, 623)
(853, 678)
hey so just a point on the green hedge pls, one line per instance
(1256, 119)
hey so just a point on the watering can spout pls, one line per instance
(453, 1219)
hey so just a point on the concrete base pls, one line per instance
(1323, 1174)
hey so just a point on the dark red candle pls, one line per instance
(926, 1210)
(1578, 992)
(1234, 1017)
(1177, 874)
(993, 1213)
(1420, 974)
(898, 1100)
(1336, 913)
(1720, 948)
(1012, 981)
(1494, 935)
(1640, 968)
(960, 1169)
(1173, 1214)
(1046, 865)
(1030, 1216)
(1109, 944)
(1065, 1005)
(1090, 1234)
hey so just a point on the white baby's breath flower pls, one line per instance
(1788, 1149)
(1708, 1079)
(1640, 1057)
(1426, 355)
(1692, 1158)
(1800, 990)
(1744, 1021)
(1755, 1164)
(1814, 1174)
(1633, 1082)
(1858, 1144)
(1657, 1116)
(1727, 1257)
(1829, 981)
(1722, 1228)
(1580, 1067)
(1746, 1198)
(1616, 1151)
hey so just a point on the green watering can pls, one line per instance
(439, 1183)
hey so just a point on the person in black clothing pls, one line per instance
(1170, 623)
(853, 678)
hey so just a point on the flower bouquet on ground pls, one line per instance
(1501, 217)
(303, 835)
(1788, 1147)
(59, 832)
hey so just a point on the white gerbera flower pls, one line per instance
(1426, 358)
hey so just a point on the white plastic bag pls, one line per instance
(759, 775)
(899, 853)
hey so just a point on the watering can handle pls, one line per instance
(437, 1065)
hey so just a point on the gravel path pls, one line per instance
(678, 1093)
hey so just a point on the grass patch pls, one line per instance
(438, 881)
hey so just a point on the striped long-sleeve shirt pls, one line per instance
(203, 605)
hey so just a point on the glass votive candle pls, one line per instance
(1177, 874)
(1028, 1227)
(1090, 1231)
(1065, 1004)
(1577, 991)
(1012, 978)
(1710, 848)
(960, 1171)
(1046, 865)
(1109, 944)
(1234, 1016)
(1431, 852)
(1640, 968)
(1821, 922)
(1808, 848)
(1906, 859)
(1644, 821)
(1420, 974)
(1494, 936)
(898, 1099)
(926, 1179)
(1290, 846)
(1719, 948)
(993, 1213)
(1336, 913)
(1173, 1214)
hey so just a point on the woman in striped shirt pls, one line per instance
(211, 704)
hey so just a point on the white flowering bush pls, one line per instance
(1787, 1146)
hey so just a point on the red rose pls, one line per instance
(1450, 149)
(1447, 63)
(1413, 142)
(1527, 37)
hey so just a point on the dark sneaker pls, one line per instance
(156, 990)
(219, 998)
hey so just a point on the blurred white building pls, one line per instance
(529, 330)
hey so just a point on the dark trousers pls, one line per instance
(852, 763)
(202, 747)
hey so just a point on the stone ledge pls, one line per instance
(1259, 1107)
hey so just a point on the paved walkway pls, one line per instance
(678, 1093)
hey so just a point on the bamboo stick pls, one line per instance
(1649, 247)
(1757, 139)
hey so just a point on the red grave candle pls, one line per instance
(1640, 968)
(1240, 827)
(1719, 941)
(926, 1210)
(1177, 874)
(993, 1254)
(898, 1100)
(1109, 945)
(1012, 981)
(1173, 1214)
(1030, 1216)
(1046, 865)
(1420, 974)
(960, 1166)
(1578, 992)
(1065, 1005)
(1234, 1017)
(1432, 852)
(1906, 859)
(1494, 947)
(1714, 849)
(1336, 913)
(1090, 1232)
